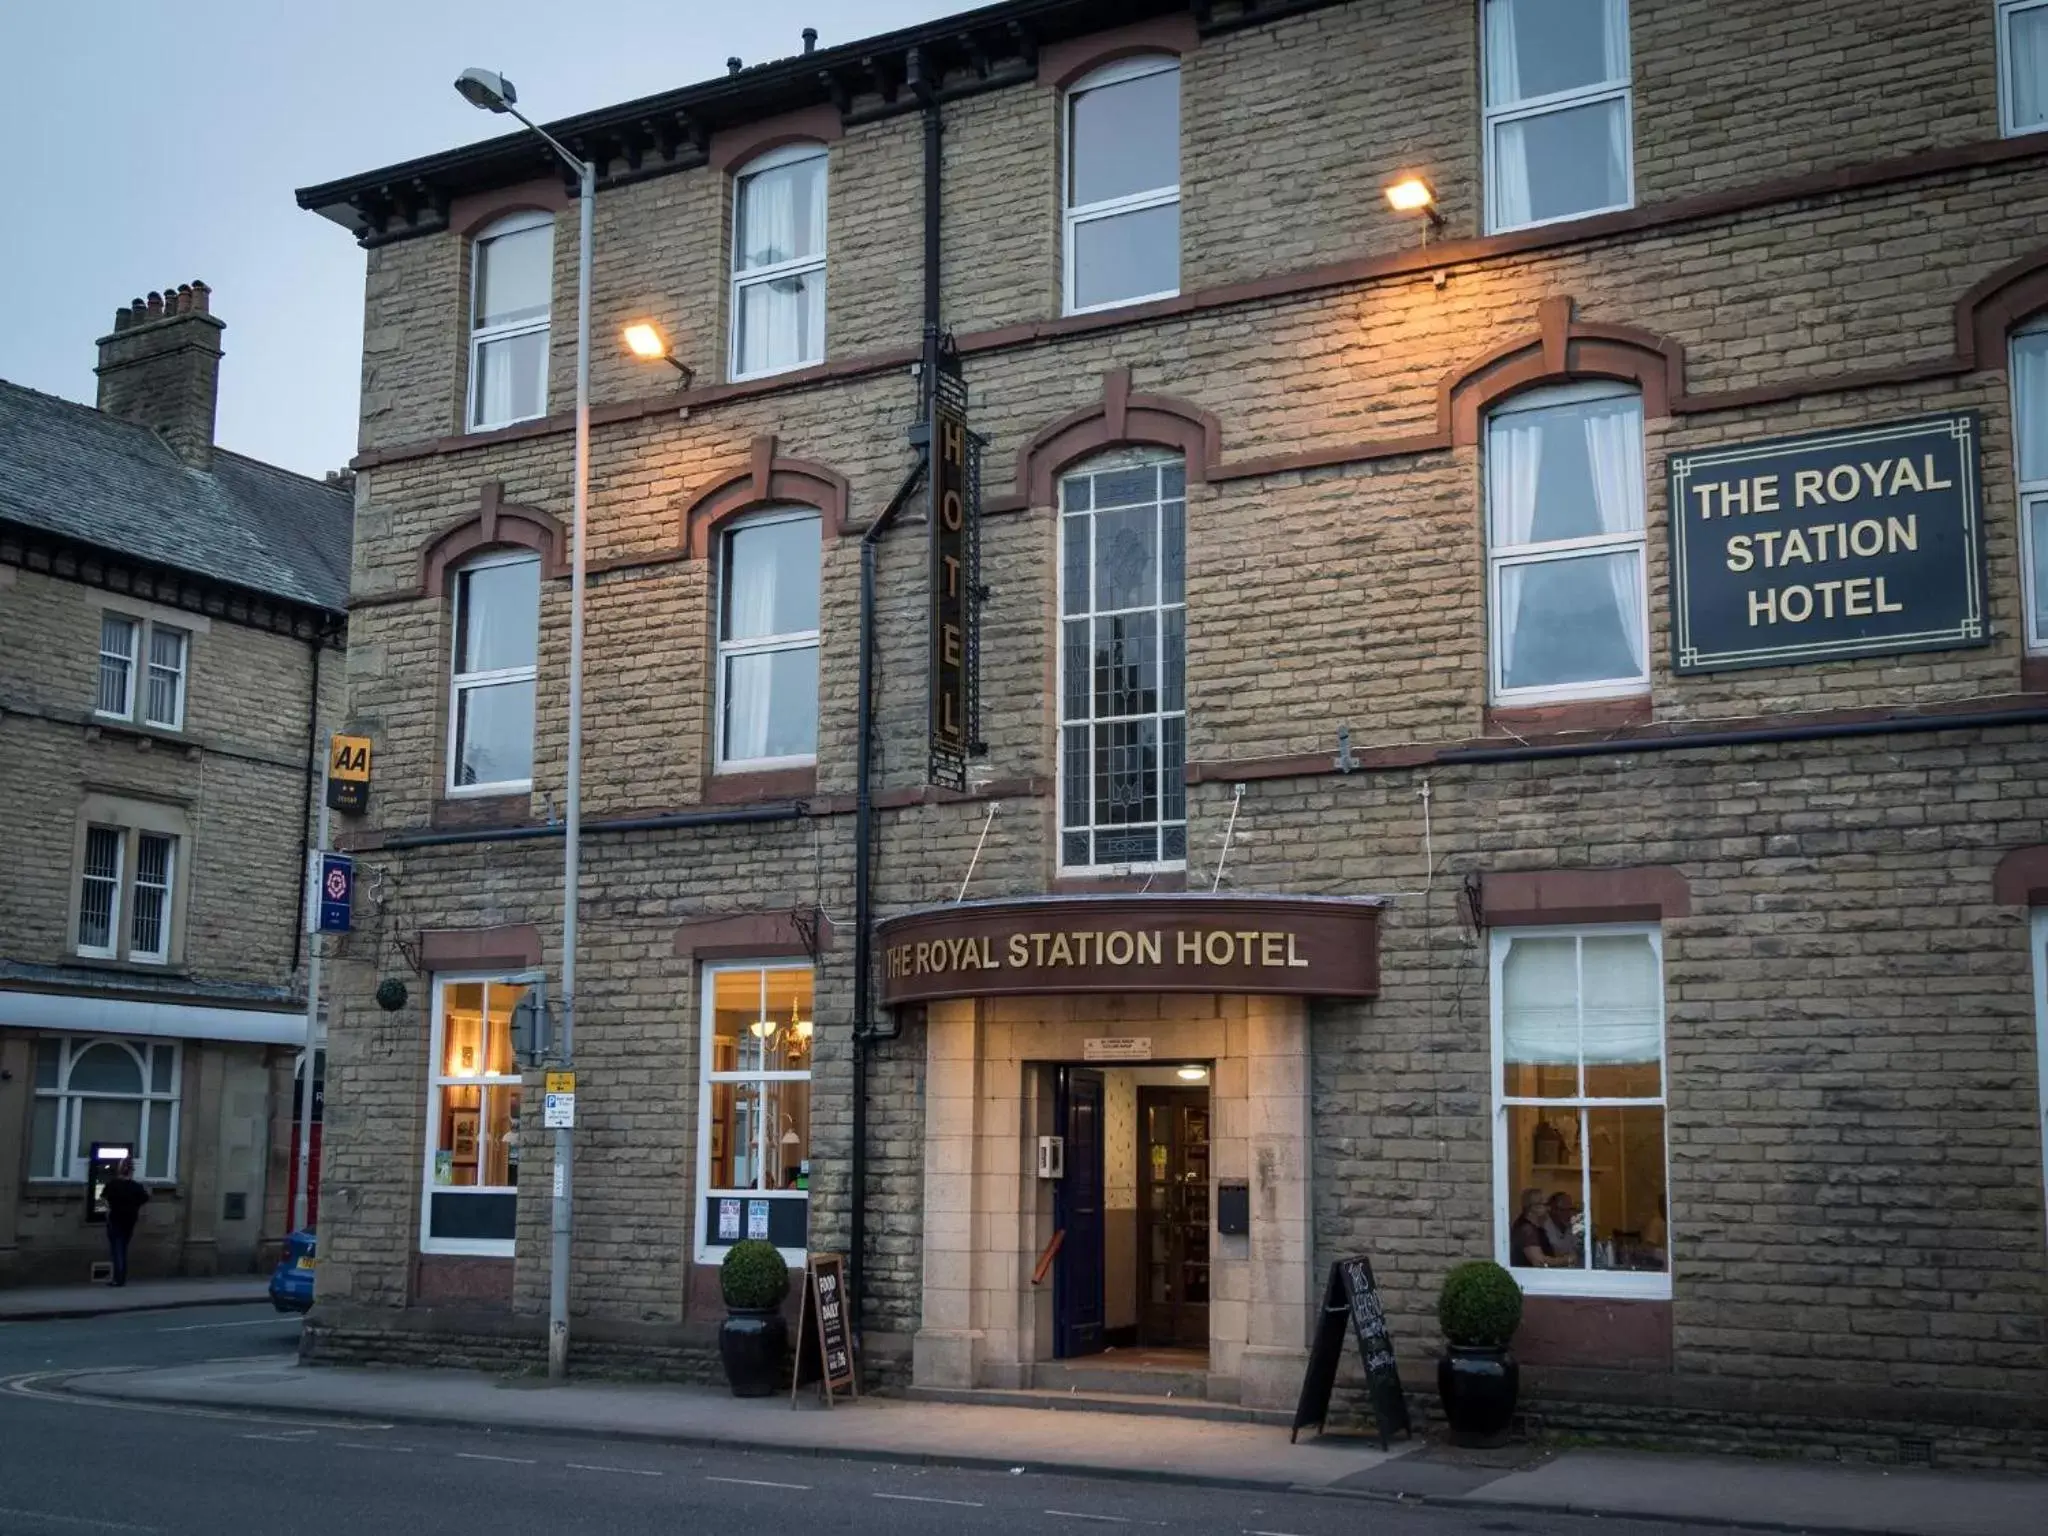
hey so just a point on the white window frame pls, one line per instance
(801, 266)
(759, 645)
(1071, 216)
(147, 668)
(1061, 618)
(136, 646)
(1491, 117)
(117, 908)
(708, 1249)
(70, 1048)
(1499, 558)
(2038, 930)
(2030, 492)
(438, 1079)
(461, 682)
(479, 335)
(160, 955)
(2007, 10)
(1615, 1283)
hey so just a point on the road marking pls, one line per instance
(918, 1498)
(1075, 1514)
(290, 1437)
(364, 1445)
(516, 1461)
(585, 1466)
(755, 1482)
(260, 1322)
(1269, 1533)
(97, 1525)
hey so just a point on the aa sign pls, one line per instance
(348, 773)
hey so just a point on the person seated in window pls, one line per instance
(1558, 1232)
(1528, 1247)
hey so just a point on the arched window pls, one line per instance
(491, 674)
(119, 1091)
(1122, 185)
(1123, 663)
(2030, 464)
(778, 262)
(1565, 545)
(512, 269)
(768, 641)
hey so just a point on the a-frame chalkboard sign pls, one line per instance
(824, 1302)
(1351, 1294)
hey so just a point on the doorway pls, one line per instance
(1132, 1209)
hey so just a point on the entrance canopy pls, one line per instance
(1297, 946)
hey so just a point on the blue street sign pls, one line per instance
(336, 892)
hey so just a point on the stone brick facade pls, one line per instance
(225, 775)
(1827, 231)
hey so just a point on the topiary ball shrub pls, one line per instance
(391, 994)
(1481, 1306)
(754, 1276)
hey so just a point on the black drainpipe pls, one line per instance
(306, 809)
(865, 1032)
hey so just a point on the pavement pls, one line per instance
(51, 1302)
(1774, 1495)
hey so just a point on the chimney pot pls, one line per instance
(810, 39)
(160, 367)
(732, 64)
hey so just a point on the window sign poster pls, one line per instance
(757, 1218)
(444, 1167)
(728, 1221)
(1860, 542)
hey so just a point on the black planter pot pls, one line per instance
(751, 1344)
(1477, 1385)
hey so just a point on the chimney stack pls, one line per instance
(160, 366)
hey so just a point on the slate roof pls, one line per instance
(71, 470)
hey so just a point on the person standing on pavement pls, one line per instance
(125, 1199)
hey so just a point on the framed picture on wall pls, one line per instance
(462, 1127)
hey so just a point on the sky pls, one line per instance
(150, 144)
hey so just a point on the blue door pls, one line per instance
(1077, 1293)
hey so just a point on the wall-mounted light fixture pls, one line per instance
(647, 343)
(1412, 194)
(1193, 1074)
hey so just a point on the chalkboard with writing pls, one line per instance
(1352, 1297)
(825, 1301)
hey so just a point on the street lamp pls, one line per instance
(494, 93)
(645, 341)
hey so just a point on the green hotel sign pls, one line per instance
(1863, 542)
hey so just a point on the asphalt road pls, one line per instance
(76, 1468)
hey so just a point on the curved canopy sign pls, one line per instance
(1301, 946)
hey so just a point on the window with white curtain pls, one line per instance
(1579, 1097)
(1565, 545)
(768, 641)
(127, 884)
(778, 262)
(166, 693)
(87, 1090)
(116, 696)
(2030, 457)
(99, 893)
(2023, 65)
(512, 280)
(470, 1199)
(490, 705)
(1557, 109)
(149, 936)
(1123, 664)
(1122, 223)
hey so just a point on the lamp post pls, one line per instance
(494, 93)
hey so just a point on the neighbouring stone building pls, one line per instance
(1512, 728)
(169, 613)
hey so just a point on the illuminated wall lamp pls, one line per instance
(647, 343)
(1411, 194)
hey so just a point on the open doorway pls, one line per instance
(1133, 1205)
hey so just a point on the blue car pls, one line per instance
(291, 1283)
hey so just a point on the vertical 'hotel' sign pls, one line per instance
(1864, 542)
(953, 578)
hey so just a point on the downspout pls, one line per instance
(865, 1032)
(306, 810)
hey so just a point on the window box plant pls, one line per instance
(1477, 1380)
(754, 1338)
